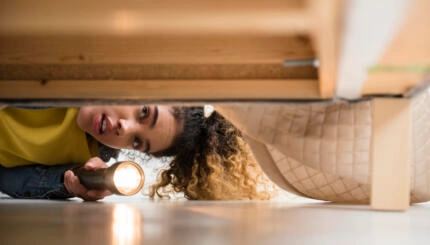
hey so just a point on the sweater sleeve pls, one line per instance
(34, 181)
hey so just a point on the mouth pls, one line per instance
(102, 124)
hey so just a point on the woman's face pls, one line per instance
(145, 128)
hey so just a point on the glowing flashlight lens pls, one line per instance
(127, 179)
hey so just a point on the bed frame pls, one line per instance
(80, 52)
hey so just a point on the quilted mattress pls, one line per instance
(321, 150)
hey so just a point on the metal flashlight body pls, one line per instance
(122, 178)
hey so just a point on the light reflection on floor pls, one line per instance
(140, 221)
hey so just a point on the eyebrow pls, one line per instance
(154, 121)
(155, 117)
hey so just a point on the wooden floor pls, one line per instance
(140, 221)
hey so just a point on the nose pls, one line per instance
(124, 127)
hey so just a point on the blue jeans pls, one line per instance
(34, 181)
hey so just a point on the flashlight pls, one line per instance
(122, 178)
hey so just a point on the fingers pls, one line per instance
(75, 188)
(72, 184)
(93, 195)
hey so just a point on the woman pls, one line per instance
(210, 161)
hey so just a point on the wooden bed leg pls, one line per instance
(391, 154)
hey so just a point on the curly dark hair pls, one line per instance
(211, 161)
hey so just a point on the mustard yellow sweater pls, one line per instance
(43, 136)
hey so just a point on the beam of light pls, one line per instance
(126, 225)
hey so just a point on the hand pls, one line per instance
(75, 188)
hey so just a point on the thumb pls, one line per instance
(95, 163)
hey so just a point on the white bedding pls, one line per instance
(322, 150)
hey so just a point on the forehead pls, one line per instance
(166, 121)
(164, 132)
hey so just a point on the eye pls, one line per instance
(137, 143)
(144, 113)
